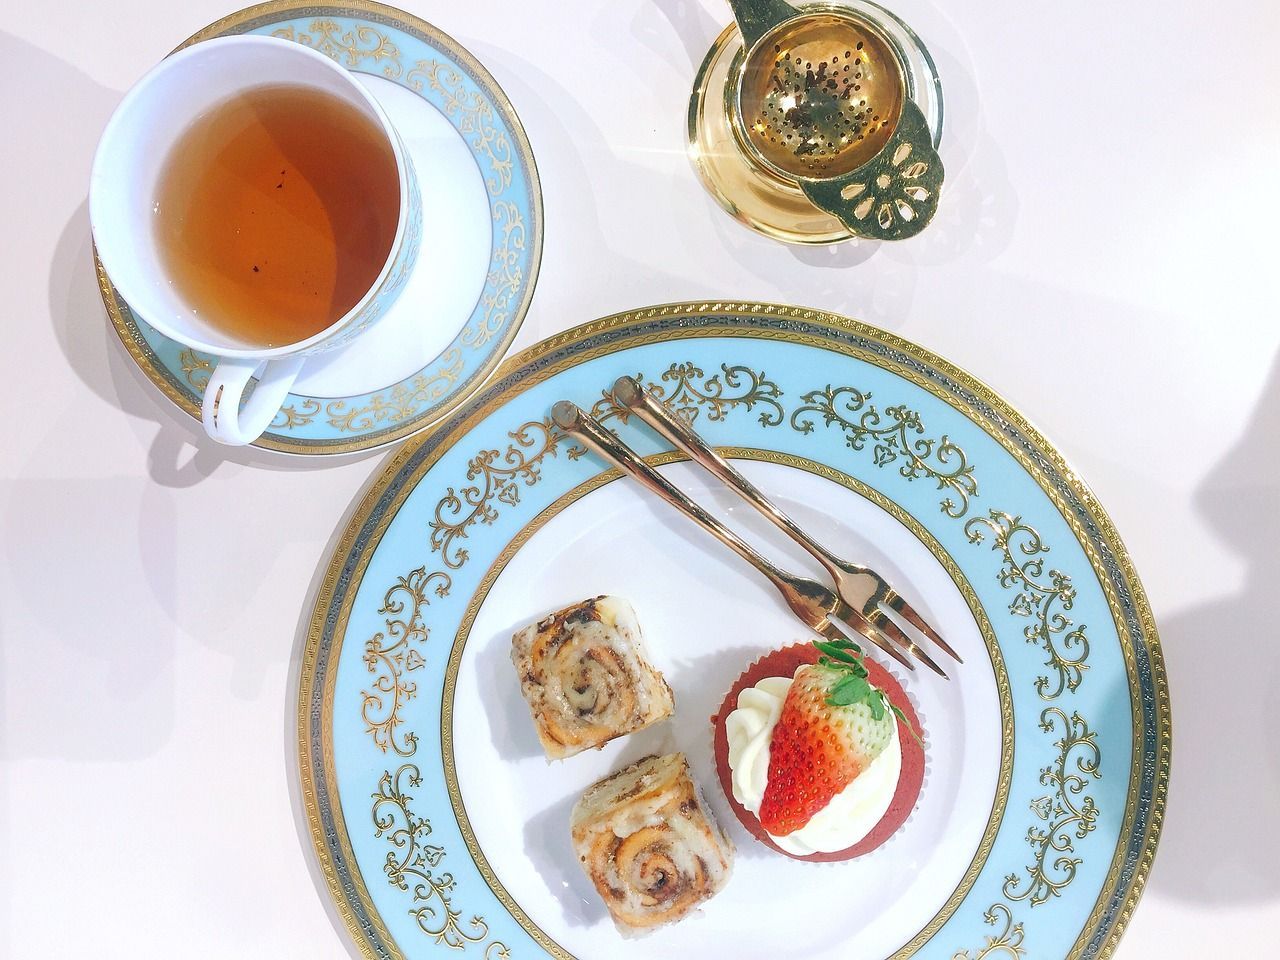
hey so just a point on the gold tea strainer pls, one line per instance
(820, 99)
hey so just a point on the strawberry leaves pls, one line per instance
(906, 723)
(853, 687)
(877, 706)
(843, 651)
(849, 690)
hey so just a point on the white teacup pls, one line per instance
(126, 172)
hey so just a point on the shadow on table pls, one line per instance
(694, 27)
(98, 617)
(1219, 845)
(589, 196)
(599, 186)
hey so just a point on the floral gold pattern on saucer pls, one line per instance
(433, 71)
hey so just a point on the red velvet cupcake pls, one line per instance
(785, 805)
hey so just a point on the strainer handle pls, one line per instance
(757, 17)
(903, 179)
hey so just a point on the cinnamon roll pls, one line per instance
(587, 677)
(650, 844)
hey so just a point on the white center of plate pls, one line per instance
(706, 617)
(442, 291)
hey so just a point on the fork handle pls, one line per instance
(570, 417)
(629, 392)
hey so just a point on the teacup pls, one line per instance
(127, 169)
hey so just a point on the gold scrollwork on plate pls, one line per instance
(401, 402)
(413, 863)
(474, 114)
(1007, 943)
(504, 277)
(196, 369)
(393, 819)
(1041, 600)
(896, 435)
(350, 47)
(299, 415)
(392, 653)
(686, 390)
(1070, 815)
(683, 386)
(502, 473)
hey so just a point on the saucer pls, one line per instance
(765, 202)
(474, 279)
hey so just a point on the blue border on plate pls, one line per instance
(1151, 769)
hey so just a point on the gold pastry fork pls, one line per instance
(857, 585)
(816, 606)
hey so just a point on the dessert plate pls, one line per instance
(439, 825)
(482, 239)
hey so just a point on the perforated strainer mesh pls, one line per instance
(820, 95)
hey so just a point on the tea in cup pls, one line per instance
(251, 200)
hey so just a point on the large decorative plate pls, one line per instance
(439, 825)
(471, 287)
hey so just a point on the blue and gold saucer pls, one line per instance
(482, 241)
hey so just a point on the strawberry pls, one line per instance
(832, 725)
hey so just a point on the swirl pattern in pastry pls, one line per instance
(650, 844)
(587, 677)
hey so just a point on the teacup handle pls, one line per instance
(220, 409)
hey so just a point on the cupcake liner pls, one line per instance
(784, 663)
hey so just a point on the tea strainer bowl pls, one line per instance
(820, 99)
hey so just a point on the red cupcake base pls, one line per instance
(784, 663)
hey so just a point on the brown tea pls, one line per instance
(276, 211)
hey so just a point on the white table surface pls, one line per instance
(1104, 257)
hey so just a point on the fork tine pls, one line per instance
(895, 633)
(908, 613)
(839, 628)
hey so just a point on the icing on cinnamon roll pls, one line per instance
(650, 844)
(587, 678)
